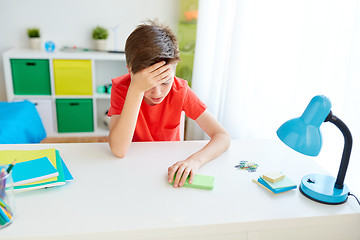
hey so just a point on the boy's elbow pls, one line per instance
(222, 139)
(227, 140)
(120, 153)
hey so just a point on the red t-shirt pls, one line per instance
(160, 122)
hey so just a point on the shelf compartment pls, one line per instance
(45, 110)
(31, 76)
(102, 106)
(72, 77)
(74, 115)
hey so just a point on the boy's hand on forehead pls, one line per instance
(148, 78)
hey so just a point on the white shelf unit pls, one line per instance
(104, 67)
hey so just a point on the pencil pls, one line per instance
(10, 167)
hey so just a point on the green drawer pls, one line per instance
(74, 115)
(31, 76)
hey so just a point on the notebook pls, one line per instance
(275, 190)
(32, 171)
(8, 156)
(67, 174)
(44, 183)
(284, 183)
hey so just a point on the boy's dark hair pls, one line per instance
(150, 43)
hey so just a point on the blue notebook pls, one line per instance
(284, 183)
(32, 171)
(68, 176)
(276, 190)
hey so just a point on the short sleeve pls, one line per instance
(118, 95)
(193, 106)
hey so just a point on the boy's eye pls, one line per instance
(166, 83)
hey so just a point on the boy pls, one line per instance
(146, 103)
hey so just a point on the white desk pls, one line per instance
(130, 198)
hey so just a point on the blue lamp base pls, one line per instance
(320, 188)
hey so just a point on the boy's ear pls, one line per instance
(128, 68)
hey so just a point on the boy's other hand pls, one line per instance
(148, 78)
(183, 169)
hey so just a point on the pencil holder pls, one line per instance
(6, 198)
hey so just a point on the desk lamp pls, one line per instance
(303, 135)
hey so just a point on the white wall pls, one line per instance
(70, 22)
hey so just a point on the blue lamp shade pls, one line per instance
(303, 134)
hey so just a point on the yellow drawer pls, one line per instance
(72, 77)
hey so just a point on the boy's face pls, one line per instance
(158, 93)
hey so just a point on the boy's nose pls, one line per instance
(156, 91)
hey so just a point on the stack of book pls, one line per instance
(35, 169)
(276, 182)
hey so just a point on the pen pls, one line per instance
(10, 167)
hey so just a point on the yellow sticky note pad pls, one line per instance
(274, 176)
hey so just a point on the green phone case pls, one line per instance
(200, 182)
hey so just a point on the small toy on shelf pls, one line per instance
(104, 88)
(106, 119)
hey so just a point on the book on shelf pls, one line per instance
(284, 185)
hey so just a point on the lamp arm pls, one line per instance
(339, 184)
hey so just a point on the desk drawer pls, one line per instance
(74, 115)
(31, 76)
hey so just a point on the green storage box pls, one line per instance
(72, 77)
(74, 115)
(31, 76)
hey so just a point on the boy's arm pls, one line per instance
(122, 126)
(219, 142)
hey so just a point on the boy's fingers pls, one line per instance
(171, 172)
(179, 173)
(184, 177)
(160, 71)
(192, 176)
(156, 66)
(164, 76)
